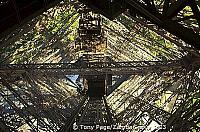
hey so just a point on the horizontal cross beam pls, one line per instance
(94, 68)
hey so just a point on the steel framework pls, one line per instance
(145, 96)
(95, 68)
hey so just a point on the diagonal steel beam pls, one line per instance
(163, 20)
(117, 84)
(165, 6)
(138, 103)
(195, 10)
(176, 7)
(69, 123)
(33, 12)
(3, 127)
(184, 33)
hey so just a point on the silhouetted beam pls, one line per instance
(25, 29)
(26, 107)
(137, 103)
(184, 33)
(143, 10)
(163, 35)
(106, 7)
(15, 13)
(195, 10)
(109, 114)
(176, 7)
(3, 127)
(94, 68)
(13, 91)
(184, 115)
(74, 84)
(162, 20)
(19, 111)
(70, 122)
(165, 6)
(117, 84)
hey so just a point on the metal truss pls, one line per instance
(17, 13)
(166, 101)
(92, 112)
(95, 68)
(187, 113)
(95, 112)
(27, 104)
(161, 32)
(53, 38)
(90, 32)
(117, 83)
(38, 96)
(134, 109)
(166, 14)
(186, 117)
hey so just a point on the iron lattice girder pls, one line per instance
(17, 12)
(184, 33)
(90, 111)
(137, 106)
(117, 84)
(94, 68)
(96, 111)
(28, 112)
(108, 8)
(187, 116)
(68, 124)
(3, 126)
(150, 12)
(34, 106)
